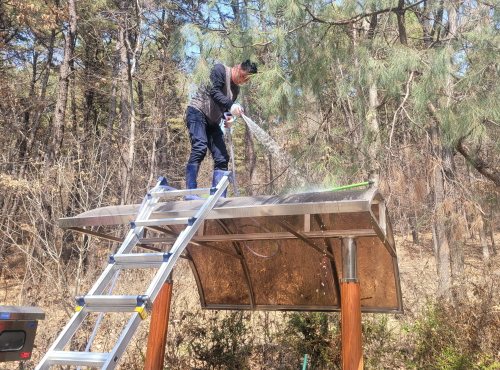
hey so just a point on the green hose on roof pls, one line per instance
(351, 186)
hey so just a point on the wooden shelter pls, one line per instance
(316, 251)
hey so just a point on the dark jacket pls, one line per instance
(217, 98)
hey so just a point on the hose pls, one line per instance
(230, 140)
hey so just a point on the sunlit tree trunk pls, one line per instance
(106, 148)
(132, 65)
(373, 128)
(372, 120)
(124, 103)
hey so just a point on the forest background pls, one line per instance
(92, 99)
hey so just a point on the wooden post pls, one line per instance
(158, 327)
(352, 352)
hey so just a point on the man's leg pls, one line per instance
(219, 153)
(196, 124)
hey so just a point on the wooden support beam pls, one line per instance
(352, 354)
(176, 235)
(158, 328)
(352, 350)
(96, 234)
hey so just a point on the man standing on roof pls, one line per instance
(203, 116)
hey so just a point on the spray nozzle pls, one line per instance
(228, 117)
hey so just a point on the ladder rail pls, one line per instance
(184, 239)
(123, 342)
(164, 262)
(77, 319)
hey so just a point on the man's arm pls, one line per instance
(218, 79)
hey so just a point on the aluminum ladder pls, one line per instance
(95, 301)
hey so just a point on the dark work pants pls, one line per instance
(205, 136)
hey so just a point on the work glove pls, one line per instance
(228, 120)
(236, 110)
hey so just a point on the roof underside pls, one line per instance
(276, 252)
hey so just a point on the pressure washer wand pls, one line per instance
(230, 140)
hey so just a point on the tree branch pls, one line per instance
(479, 164)
(362, 15)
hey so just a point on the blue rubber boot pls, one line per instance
(191, 175)
(215, 180)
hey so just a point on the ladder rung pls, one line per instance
(178, 193)
(162, 221)
(92, 359)
(112, 303)
(139, 260)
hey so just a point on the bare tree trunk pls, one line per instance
(131, 67)
(374, 130)
(74, 119)
(372, 120)
(159, 155)
(441, 244)
(45, 81)
(129, 159)
(401, 22)
(449, 253)
(457, 246)
(112, 109)
(64, 78)
(251, 159)
(484, 243)
(124, 104)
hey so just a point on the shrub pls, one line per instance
(453, 337)
(224, 344)
(318, 335)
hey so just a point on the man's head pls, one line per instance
(241, 73)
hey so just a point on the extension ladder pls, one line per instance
(94, 301)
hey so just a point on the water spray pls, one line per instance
(230, 119)
(280, 153)
(267, 141)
